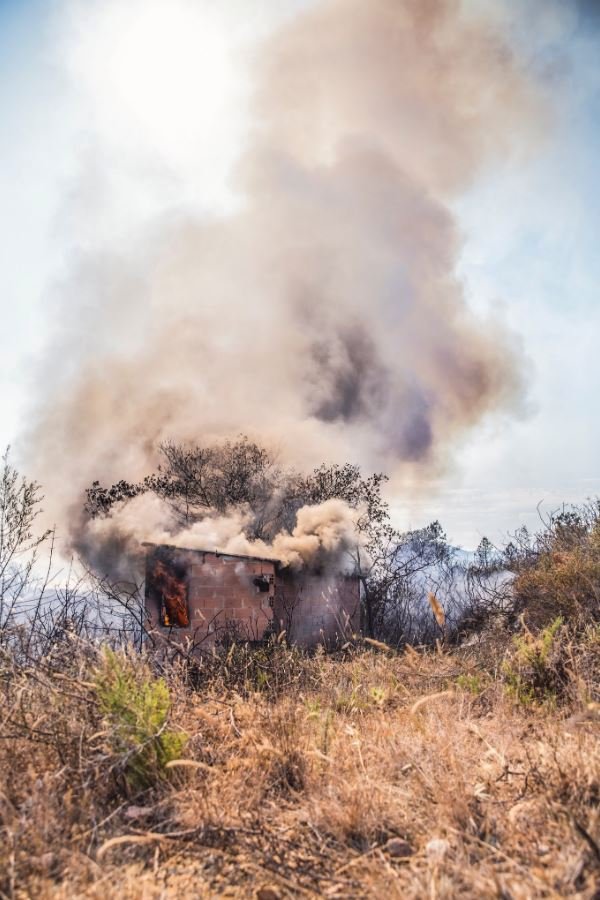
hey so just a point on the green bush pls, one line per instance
(534, 672)
(136, 707)
(474, 684)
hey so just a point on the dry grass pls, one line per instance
(411, 775)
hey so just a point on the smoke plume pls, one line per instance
(324, 535)
(324, 316)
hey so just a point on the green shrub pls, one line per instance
(534, 672)
(474, 684)
(136, 707)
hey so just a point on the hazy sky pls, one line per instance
(115, 113)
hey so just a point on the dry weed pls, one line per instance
(405, 775)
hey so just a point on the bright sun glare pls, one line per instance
(160, 75)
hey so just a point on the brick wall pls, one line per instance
(223, 595)
(316, 608)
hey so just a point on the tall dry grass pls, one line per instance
(369, 774)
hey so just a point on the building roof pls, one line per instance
(265, 559)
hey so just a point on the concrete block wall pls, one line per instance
(315, 608)
(222, 597)
(220, 592)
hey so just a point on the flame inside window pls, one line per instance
(173, 591)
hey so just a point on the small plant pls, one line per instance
(136, 706)
(349, 701)
(471, 683)
(378, 696)
(322, 720)
(534, 671)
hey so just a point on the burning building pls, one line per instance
(209, 596)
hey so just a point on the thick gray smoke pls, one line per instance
(324, 318)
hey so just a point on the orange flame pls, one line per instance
(173, 592)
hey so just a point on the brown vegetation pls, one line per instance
(366, 774)
(559, 573)
(465, 769)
